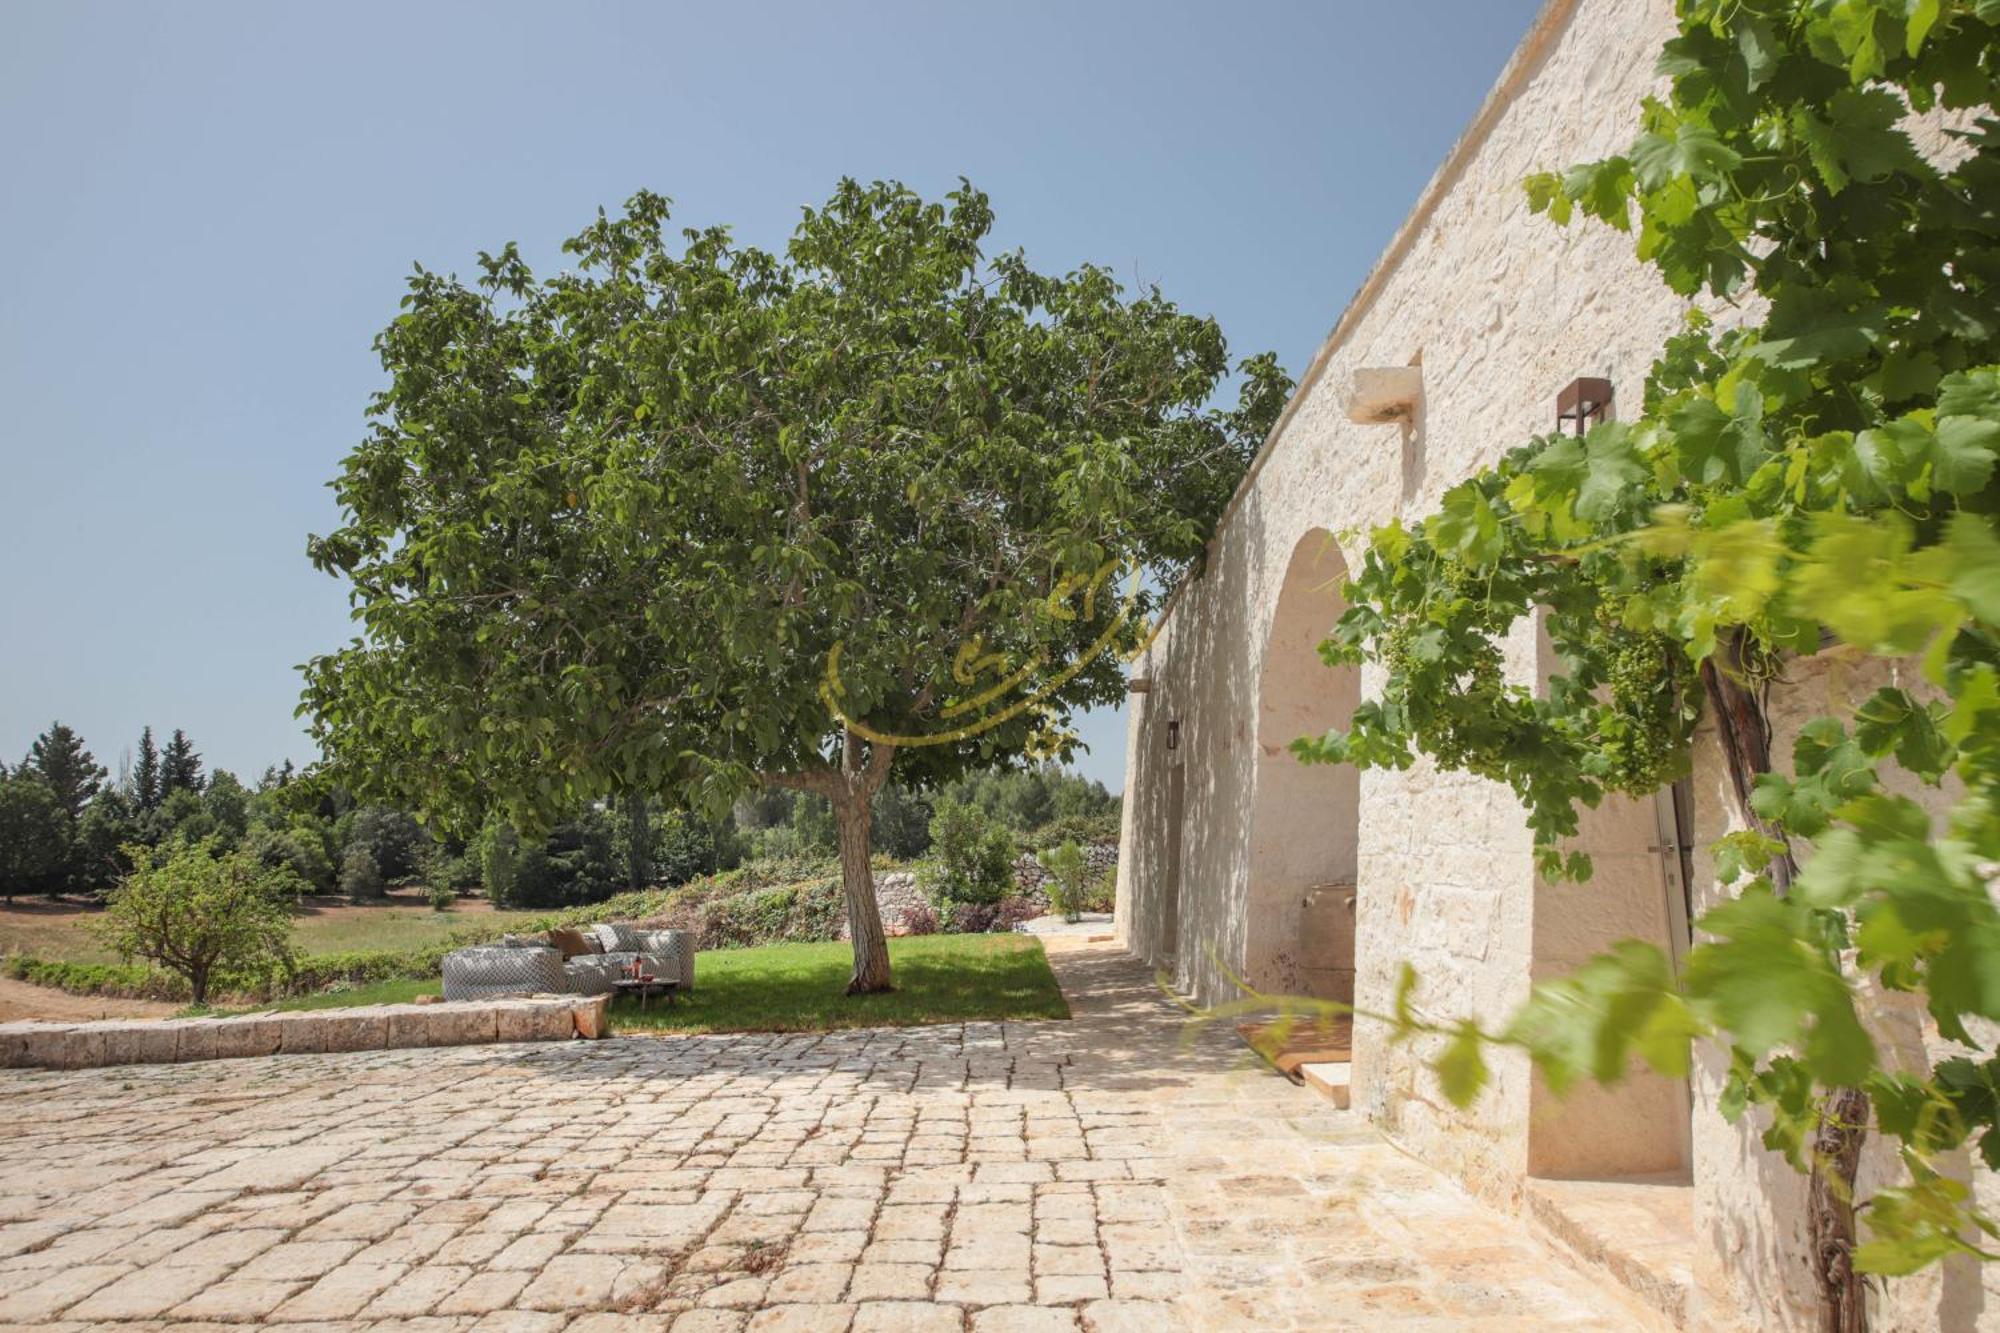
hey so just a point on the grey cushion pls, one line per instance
(596, 973)
(470, 974)
(619, 937)
(672, 952)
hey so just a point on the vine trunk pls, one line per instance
(1744, 730)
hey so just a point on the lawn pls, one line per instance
(798, 988)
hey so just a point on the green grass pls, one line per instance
(400, 990)
(799, 988)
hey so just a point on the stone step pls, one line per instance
(1330, 1079)
(1639, 1232)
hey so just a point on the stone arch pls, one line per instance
(1305, 821)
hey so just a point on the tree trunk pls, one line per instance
(638, 841)
(1745, 733)
(857, 881)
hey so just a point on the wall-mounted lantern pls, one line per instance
(1174, 734)
(1583, 404)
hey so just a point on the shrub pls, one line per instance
(1069, 879)
(441, 895)
(921, 919)
(1016, 908)
(1101, 895)
(973, 857)
(974, 918)
(1084, 830)
(360, 876)
(198, 914)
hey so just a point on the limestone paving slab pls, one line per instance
(1113, 1172)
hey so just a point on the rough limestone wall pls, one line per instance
(1749, 1204)
(1503, 309)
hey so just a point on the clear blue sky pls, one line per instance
(207, 210)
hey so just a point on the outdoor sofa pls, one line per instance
(585, 961)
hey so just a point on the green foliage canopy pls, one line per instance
(197, 910)
(608, 526)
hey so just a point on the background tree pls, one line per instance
(72, 774)
(180, 766)
(146, 774)
(361, 874)
(395, 841)
(609, 530)
(902, 821)
(197, 913)
(227, 803)
(33, 850)
(97, 859)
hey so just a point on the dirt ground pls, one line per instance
(19, 999)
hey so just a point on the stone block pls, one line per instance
(356, 1030)
(532, 1020)
(80, 1046)
(470, 1024)
(256, 1034)
(405, 1025)
(19, 1045)
(592, 1017)
(138, 1042)
(195, 1038)
(1384, 393)
(301, 1033)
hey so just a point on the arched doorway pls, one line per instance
(1306, 818)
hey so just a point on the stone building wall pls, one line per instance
(1226, 837)
(1500, 309)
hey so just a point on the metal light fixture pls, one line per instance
(1584, 402)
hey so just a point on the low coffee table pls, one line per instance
(647, 987)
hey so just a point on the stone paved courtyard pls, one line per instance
(1104, 1174)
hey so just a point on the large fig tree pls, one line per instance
(695, 517)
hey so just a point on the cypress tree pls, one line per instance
(146, 776)
(180, 766)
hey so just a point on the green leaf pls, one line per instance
(1691, 150)
(1461, 1066)
(1892, 719)
(1467, 526)
(1600, 470)
(1764, 982)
